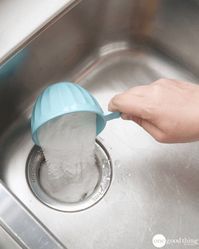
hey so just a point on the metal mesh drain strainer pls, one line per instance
(35, 172)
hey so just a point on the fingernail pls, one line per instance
(124, 116)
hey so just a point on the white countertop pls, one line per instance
(21, 18)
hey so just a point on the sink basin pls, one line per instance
(108, 46)
(6, 241)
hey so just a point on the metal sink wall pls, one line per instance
(108, 46)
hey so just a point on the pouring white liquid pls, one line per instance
(68, 143)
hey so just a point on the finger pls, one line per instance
(132, 118)
(126, 116)
(154, 131)
(137, 91)
(129, 104)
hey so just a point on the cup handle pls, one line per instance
(112, 115)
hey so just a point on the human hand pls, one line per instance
(167, 109)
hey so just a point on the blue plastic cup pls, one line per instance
(64, 98)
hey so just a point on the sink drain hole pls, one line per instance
(70, 192)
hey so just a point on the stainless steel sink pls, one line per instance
(108, 46)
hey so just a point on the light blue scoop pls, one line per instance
(63, 98)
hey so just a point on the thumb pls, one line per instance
(128, 104)
(153, 130)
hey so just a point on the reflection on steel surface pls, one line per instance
(22, 225)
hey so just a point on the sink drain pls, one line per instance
(36, 172)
